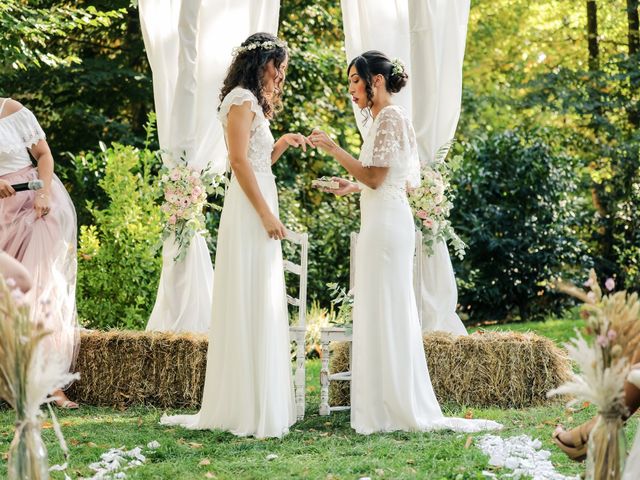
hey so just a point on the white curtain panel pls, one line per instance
(429, 36)
(189, 44)
(377, 25)
(438, 31)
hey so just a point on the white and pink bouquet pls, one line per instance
(185, 197)
(431, 203)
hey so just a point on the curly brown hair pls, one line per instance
(247, 69)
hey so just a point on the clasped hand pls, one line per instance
(6, 190)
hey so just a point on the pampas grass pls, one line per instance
(28, 375)
(613, 335)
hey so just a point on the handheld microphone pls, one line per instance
(32, 185)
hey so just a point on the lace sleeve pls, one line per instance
(388, 140)
(240, 96)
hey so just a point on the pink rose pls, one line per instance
(421, 214)
(172, 220)
(610, 284)
(196, 191)
(428, 223)
(611, 335)
(175, 175)
(602, 341)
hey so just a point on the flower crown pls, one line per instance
(397, 67)
(267, 45)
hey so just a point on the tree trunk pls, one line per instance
(633, 23)
(592, 35)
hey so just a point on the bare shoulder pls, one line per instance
(10, 106)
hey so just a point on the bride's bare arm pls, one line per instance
(289, 140)
(239, 122)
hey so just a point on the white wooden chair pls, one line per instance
(338, 334)
(298, 330)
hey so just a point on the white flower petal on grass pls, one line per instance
(272, 456)
(520, 454)
(152, 445)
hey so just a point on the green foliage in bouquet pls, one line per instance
(118, 266)
(517, 211)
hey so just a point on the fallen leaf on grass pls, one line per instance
(379, 472)
(47, 425)
(468, 414)
(210, 475)
(194, 445)
(467, 444)
(140, 421)
(204, 461)
(91, 444)
(411, 461)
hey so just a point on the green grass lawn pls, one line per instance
(318, 447)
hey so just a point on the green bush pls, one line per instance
(517, 210)
(118, 264)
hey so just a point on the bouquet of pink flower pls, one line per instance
(431, 203)
(185, 197)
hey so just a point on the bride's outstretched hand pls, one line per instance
(297, 140)
(322, 140)
(344, 187)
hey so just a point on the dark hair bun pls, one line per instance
(397, 81)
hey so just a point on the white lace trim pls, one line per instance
(521, 454)
(19, 130)
(239, 96)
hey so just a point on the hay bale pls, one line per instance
(501, 369)
(122, 368)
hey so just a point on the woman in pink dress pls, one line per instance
(38, 228)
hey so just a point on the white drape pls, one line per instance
(377, 25)
(189, 45)
(429, 36)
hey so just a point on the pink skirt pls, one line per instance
(46, 246)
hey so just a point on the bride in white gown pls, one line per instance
(248, 388)
(390, 387)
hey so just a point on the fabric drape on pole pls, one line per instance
(429, 37)
(438, 37)
(377, 25)
(189, 44)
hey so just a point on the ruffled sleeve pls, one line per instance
(239, 96)
(389, 137)
(19, 130)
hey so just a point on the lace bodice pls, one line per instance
(261, 140)
(18, 131)
(391, 142)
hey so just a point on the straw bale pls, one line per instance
(122, 368)
(501, 369)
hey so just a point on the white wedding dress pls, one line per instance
(248, 388)
(391, 389)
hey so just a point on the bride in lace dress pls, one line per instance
(390, 387)
(248, 387)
